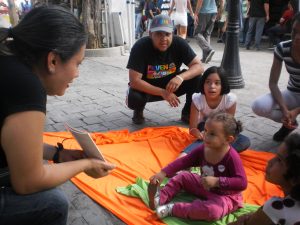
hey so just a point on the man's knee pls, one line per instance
(135, 99)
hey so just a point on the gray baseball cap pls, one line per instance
(161, 23)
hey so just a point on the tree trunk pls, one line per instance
(12, 11)
(91, 18)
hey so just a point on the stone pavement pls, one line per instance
(96, 102)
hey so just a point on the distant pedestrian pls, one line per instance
(258, 16)
(206, 14)
(152, 8)
(277, 32)
(181, 16)
(25, 8)
(283, 106)
(139, 8)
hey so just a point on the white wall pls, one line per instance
(123, 7)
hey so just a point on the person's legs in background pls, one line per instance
(243, 31)
(250, 33)
(260, 23)
(202, 35)
(275, 33)
(138, 21)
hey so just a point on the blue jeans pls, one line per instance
(256, 24)
(138, 21)
(48, 207)
(240, 144)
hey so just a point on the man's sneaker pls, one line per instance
(282, 133)
(138, 117)
(164, 210)
(153, 195)
(209, 55)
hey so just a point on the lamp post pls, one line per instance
(231, 58)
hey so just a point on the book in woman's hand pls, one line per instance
(86, 142)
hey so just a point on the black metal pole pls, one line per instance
(231, 58)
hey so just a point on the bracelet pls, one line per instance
(180, 78)
(59, 148)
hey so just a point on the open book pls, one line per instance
(86, 142)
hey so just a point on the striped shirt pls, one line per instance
(283, 53)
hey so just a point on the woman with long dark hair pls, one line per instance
(38, 57)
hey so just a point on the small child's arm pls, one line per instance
(158, 178)
(236, 179)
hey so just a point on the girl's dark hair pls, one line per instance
(225, 89)
(42, 30)
(230, 124)
(292, 143)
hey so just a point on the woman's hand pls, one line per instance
(158, 178)
(99, 168)
(289, 118)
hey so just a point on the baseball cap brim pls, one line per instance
(164, 29)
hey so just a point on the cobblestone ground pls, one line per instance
(96, 102)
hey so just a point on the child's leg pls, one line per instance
(183, 181)
(213, 209)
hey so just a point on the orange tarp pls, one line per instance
(142, 154)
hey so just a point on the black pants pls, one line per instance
(137, 99)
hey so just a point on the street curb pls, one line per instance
(105, 52)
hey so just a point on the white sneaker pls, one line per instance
(164, 210)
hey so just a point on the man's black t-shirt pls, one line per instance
(257, 8)
(158, 68)
(20, 90)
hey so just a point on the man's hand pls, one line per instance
(174, 84)
(171, 98)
